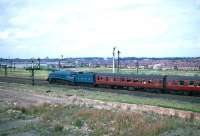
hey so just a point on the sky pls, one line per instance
(91, 28)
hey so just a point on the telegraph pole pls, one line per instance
(59, 62)
(137, 66)
(6, 72)
(114, 59)
(32, 69)
(11, 64)
(6, 67)
(14, 66)
(39, 63)
(118, 65)
(1, 62)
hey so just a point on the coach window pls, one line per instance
(122, 79)
(135, 80)
(98, 78)
(181, 82)
(101, 78)
(106, 78)
(149, 81)
(128, 80)
(191, 83)
(174, 82)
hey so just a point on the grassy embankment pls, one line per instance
(60, 91)
(74, 120)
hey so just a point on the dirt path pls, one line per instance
(26, 99)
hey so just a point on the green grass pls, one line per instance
(43, 74)
(39, 74)
(143, 71)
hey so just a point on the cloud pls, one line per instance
(3, 35)
(93, 27)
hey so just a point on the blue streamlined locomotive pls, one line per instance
(70, 77)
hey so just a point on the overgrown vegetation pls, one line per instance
(76, 120)
(124, 123)
(54, 119)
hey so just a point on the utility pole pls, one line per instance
(59, 61)
(137, 66)
(118, 65)
(39, 63)
(1, 62)
(6, 72)
(14, 66)
(11, 64)
(59, 64)
(33, 74)
(6, 67)
(114, 59)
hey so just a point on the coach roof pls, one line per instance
(131, 75)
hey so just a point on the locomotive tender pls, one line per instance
(130, 81)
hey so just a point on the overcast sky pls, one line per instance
(90, 28)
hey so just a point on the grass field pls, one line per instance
(43, 74)
(54, 119)
(39, 74)
(51, 119)
(142, 71)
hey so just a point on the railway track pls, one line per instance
(140, 93)
(22, 80)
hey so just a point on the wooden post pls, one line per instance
(14, 66)
(59, 64)
(33, 74)
(118, 65)
(6, 72)
(113, 60)
(137, 66)
(39, 63)
(11, 64)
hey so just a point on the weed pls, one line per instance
(58, 128)
(79, 123)
(124, 123)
